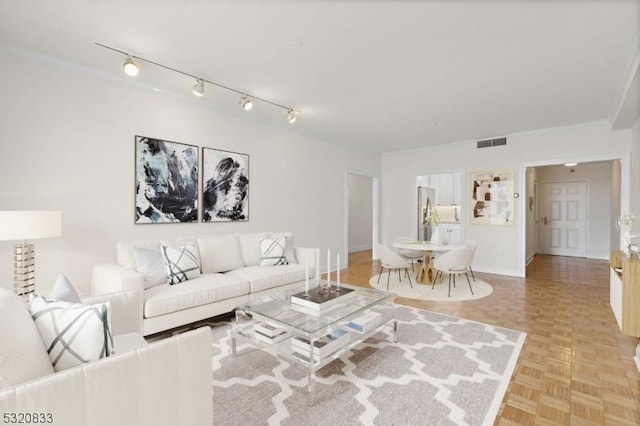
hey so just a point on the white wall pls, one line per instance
(598, 178)
(616, 178)
(500, 248)
(360, 212)
(67, 143)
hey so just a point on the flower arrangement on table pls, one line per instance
(434, 218)
(625, 223)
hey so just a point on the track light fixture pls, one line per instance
(198, 88)
(292, 116)
(246, 103)
(131, 68)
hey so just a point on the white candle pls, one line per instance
(329, 267)
(338, 273)
(317, 266)
(306, 276)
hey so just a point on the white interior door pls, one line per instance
(563, 219)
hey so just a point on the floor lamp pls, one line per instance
(23, 226)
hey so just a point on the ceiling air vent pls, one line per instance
(488, 143)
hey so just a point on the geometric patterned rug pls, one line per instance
(443, 371)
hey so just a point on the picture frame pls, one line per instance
(166, 181)
(225, 186)
(492, 197)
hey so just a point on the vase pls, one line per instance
(435, 235)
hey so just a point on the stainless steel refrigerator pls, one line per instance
(426, 201)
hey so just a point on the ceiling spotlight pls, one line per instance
(570, 164)
(246, 103)
(198, 88)
(130, 67)
(292, 116)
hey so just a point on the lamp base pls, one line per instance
(24, 276)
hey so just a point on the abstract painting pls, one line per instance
(225, 181)
(166, 181)
(492, 197)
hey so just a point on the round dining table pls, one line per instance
(426, 273)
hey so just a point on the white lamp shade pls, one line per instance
(29, 225)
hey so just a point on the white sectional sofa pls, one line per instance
(166, 383)
(230, 275)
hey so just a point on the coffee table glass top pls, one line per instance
(279, 309)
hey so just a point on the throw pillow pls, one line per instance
(181, 263)
(273, 251)
(149, 263)
(73, 333)
(289, 252)
(63, 290)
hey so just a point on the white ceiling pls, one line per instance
(377, 75)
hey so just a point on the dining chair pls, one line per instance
(454, 262)
(392, 261)
(472, 244)
(410, 255)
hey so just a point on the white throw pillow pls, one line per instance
(73, 333)
(23, 356)
(63, 290)
(124, 251)
(150, 264)
(181, 263)
(250, 247)
(220, 253)
(289, 252)
(273, 251)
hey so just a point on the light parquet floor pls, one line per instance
(575, 368)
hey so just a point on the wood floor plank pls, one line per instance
(576, 367)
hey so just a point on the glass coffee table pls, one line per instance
(310, 336)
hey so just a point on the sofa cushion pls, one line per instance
(124, 251)
(272, 251)
(264, 278)
(250, 247)
(220, 253)
(23, 356)
(63, 290)
(150, 264)
(207, 288)
(181, 263)
(73, 333)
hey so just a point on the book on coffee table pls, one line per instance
(324, 345)
(320, 299)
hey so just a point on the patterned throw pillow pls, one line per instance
(73, 333)
(272, 251)
(182, 263)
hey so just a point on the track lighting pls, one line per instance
(246, 103)
(198, 88)
(130, 67)
(247, 100)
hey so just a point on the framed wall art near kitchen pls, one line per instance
(166, 181)
(492, 201)
(225, 186)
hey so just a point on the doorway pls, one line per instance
(362, 218)
(563, 218)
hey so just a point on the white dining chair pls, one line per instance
(472, 244)
(454, 262)
(392, 261)
(410, 255)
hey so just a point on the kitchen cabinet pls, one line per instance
(450, 233)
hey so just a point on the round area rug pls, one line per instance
(459, 293)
